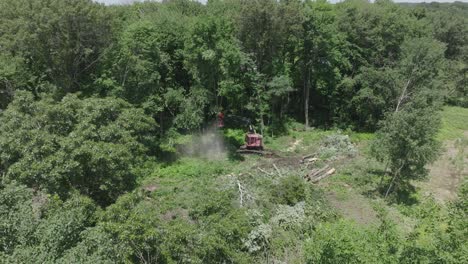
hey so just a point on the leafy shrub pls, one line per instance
(38, 228)
(213, 231)
(234, 137)
(192, 167)
(289, 217)
(345, 242)
(290, 190)
(258, 238)
(337, 145)
(441, 234)
(96, 246)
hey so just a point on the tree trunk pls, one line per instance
(395, 176)
(384, 174)
(161, 121)
(306, 98)
(262, 125)
(402, 96)
(391, 185)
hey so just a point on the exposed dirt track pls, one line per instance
(354, 207)
(445, 176)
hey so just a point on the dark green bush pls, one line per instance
(289, 190)
(89, 144)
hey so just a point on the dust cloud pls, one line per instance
(209, 145)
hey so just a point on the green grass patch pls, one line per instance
(357, 137)
(454, 123)
(305, 140)
(194, 167)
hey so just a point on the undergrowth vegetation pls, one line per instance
(122, 130)
(256, 210)
(455, 123)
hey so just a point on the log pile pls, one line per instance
(316, 175)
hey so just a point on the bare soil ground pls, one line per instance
(445, 176)
(294, 145)
(355, 207)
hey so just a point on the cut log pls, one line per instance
(307, 157)
(311, 160)
(328, 173)
(317, 172)
(307, 176)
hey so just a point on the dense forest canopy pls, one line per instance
(90, 94)
(182, 61)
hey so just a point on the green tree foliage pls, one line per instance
(406, 143)
(89, 93)
(58, 42)
(449, 27)
(406, 140)
(374, 32)
(290, 190)
(13, 74)
(259, 32)
(210, 231)
(37, 227)
(374, 36)
(345, 242)
(417, 75)
(212, 53)
(321, 53)
(264, 27)
(18, 217)
(136, 64)
(441, 234)
(89, 145)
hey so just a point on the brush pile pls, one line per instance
(333, 148)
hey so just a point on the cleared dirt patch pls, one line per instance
(177, 213)
(151, 187)
(355, 207)
(445, 174)
(294, 145)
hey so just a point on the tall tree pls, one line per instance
(213, 55)
(320, 53)
(406, 140)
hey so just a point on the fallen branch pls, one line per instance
(264, 171)
(241, 193)
(277, 170)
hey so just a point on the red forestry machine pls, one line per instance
(253, 140)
